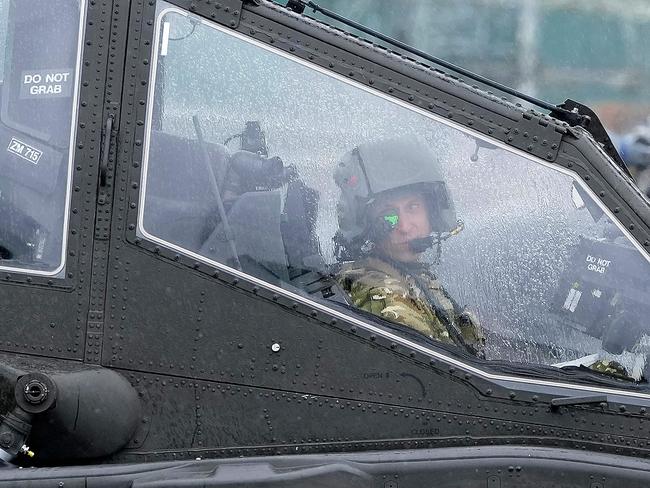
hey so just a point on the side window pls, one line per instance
(38, 65)
(259, 162)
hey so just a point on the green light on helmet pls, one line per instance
(392, 220)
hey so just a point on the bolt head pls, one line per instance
(6, 439)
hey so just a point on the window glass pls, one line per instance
(3, 35)
(262, 163)
(40, 49)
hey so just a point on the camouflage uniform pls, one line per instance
(379, 287)
(611, 368)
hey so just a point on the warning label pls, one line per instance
(46, 83)
(597, 265)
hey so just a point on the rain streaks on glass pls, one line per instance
(259, 162)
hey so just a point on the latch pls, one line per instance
(600, 400)
(106, 149)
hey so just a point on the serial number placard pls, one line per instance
(25, 151)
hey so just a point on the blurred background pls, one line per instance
(593, 51)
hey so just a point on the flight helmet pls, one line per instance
(383, 167)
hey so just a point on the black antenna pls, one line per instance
(573, 118)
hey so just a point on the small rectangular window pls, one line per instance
(39, 61)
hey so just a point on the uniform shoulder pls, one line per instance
(369, 273)
(369, 265)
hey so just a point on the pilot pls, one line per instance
(635, 150)
(394, 206)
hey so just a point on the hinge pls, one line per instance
(588, 119)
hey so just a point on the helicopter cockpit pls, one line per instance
(242, 145)
(552, 280)
(255, 242)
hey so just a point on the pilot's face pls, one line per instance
(408, 214)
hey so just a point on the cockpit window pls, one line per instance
(39, 63)
(259, 162)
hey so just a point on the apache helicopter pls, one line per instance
(170, 239)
